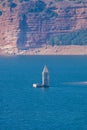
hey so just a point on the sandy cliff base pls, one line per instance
(45, 50)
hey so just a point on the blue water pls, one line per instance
(63, 106)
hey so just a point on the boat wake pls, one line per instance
(76, 83)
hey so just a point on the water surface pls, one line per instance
(63, 106)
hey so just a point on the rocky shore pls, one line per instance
(45, 50)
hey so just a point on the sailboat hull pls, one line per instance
(40, 86)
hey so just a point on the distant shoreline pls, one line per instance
(45, 50)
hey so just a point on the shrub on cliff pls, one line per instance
(37, 6)
(78, 37)
(12, 5)
(51, 13)
(0, 13)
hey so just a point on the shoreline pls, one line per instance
(45, 50)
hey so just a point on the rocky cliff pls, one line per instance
(31, 23)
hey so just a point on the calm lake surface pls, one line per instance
(63, 106)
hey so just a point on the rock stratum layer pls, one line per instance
(28, 24)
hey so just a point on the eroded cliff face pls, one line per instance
(31, 23)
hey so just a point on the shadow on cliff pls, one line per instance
(22, 36)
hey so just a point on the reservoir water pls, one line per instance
(62, 106)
